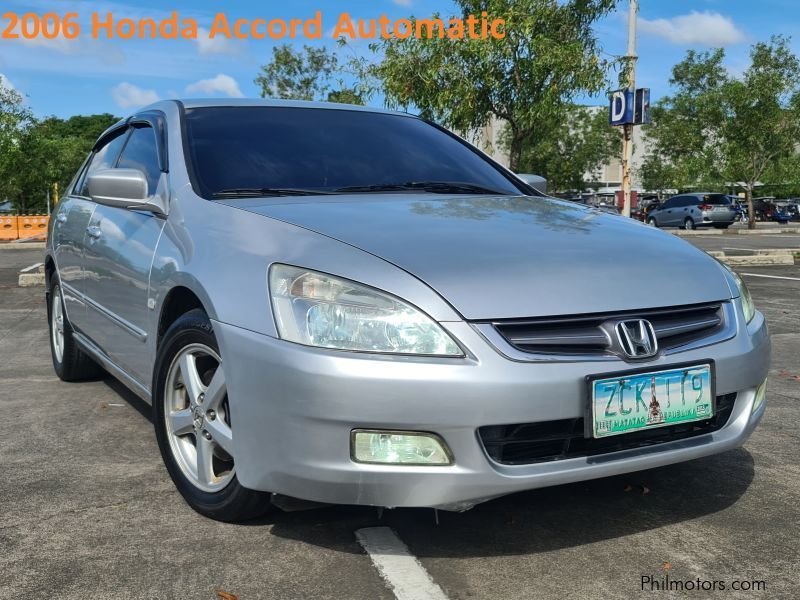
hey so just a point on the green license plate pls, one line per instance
(639, 401)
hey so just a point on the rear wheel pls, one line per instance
(688, 223)
(69, 362)
(193, 423)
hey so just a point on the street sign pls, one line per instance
(620, 109)
(627, 107)
(641, 108)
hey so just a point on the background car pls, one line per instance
(792, 210)
(766, 209)
(694, 210)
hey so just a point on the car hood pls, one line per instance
(507, 257)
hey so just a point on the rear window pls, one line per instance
(716, 199)
(325, 149)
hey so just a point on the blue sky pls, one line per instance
(84, 76)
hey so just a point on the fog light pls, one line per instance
(761, 394)
(399, 448)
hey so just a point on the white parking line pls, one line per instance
(33, 267)
(407, 578)
(770, 276)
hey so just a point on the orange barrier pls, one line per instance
(8, 229)
(30, 226)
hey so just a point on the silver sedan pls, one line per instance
(351, 305)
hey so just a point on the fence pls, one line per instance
(22, 227)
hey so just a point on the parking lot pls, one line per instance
(90, 512)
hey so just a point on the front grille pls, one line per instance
(527, 443)
(586, 335)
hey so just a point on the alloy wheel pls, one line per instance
(57, 325)
(197, 418)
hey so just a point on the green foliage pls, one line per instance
(718, 128)
(43, 153)
(549, 56)
(310, 74)
(15, 118)
(580, 141)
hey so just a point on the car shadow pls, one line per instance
(542, 520)
(135, 402)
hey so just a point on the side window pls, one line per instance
(72, 188)
(692, 201)
(671, 203)
(141, 152)
(105, 158)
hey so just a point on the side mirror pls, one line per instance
(536, 182)
(123, 188)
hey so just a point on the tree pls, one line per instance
(579, 142)
(47, 152)
(718, 129)
(762, 125)
(549, 56)
(15, 118)
(310, 74)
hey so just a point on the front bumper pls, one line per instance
(293, 409)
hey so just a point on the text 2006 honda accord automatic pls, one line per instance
(355, 306)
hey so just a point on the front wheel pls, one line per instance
(193, 423)
(652, 222)
(688, 224)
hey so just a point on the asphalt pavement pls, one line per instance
(90, 512)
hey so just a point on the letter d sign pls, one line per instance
(620, 107)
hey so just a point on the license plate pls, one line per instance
(627, 403)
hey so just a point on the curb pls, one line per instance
(31, 276)
(22, 246)
(758, 231)
(761, 258)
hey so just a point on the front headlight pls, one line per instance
(321, 310)
(748, 307)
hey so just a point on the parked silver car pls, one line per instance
(355, 306)
(691, 211)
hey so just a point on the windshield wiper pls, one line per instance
(262, 192)
(435, 187)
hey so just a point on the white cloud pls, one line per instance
(218, 45)
(702, 28)
(221, 84)
(403, 2)
(127, 95)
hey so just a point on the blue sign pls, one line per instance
(620, 109)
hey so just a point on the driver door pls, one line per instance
(120, 246)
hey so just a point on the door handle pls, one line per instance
(61, 218)
(94, 232)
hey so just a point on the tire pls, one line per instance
(199, 426)
(688, 223)
(69, 362)
(652, 222)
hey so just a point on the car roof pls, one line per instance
(267, 102)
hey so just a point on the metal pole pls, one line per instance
(627, 141)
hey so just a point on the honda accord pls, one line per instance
(351, 305)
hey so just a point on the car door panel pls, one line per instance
(120, 247)
(119, 255)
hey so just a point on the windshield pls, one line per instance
(250, 151)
